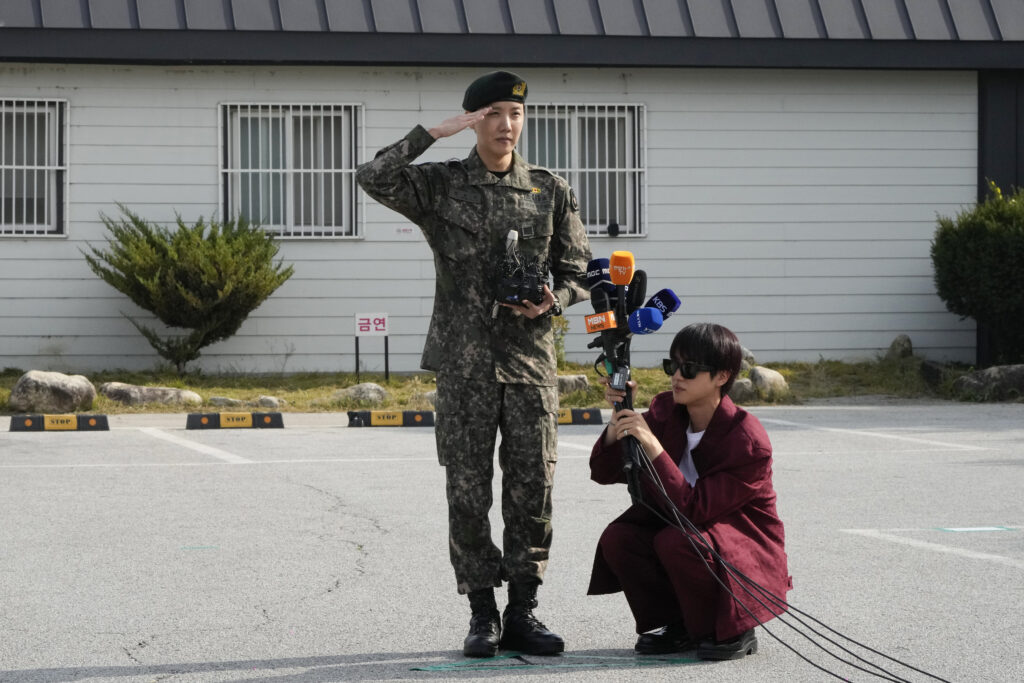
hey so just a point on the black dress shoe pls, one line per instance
(671, 638)
(736, 648)
(484, 634)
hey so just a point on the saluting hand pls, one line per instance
(457, 123)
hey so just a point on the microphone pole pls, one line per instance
(621, 270)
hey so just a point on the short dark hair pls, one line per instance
(712, 345)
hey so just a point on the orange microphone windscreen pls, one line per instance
(620, 267)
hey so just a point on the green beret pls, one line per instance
(497, 86)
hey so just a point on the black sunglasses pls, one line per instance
(689, 369)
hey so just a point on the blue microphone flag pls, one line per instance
(645, 320)
(665, 301)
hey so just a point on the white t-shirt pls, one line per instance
(686, 465)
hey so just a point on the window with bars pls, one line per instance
(291, 167)
(599, 149)
(33, 170)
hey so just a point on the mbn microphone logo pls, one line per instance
(597, 322)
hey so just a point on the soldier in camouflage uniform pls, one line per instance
(495, 363)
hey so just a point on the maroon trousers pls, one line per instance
(664, 579)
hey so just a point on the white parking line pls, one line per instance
(294, 461)
(193, 446)
(576, 446)
(880, 435)
(936, 547)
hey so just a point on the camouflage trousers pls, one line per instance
(470, 414)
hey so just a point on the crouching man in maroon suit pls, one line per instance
(715, 462)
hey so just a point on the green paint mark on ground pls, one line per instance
(515, 660)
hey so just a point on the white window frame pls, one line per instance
(50, 160)
(622, 172)
(297, 183)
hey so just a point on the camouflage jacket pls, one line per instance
(465, 213)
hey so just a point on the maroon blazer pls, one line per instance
(733, 502)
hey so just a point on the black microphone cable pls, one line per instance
(637, 464)
(693, 533)
(742, 580)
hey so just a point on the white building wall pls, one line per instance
(795, 207)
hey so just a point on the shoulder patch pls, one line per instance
(573, 202)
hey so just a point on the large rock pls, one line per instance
(999, 383)
(570, 383)
(901, 347)
(134, 395)
(270, 402)
(748, 361)
(225, 402)
(743, 391)
(51, 392)
(367, 392)
(429, 398)
(768, 383)
(933, 373)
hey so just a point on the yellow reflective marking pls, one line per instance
(236, 419)
(60, 422)
(386, 418)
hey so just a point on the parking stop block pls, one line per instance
(579, 416)
(59, 423)
(234, 421)
(390, 418)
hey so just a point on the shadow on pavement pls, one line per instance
(438, 665)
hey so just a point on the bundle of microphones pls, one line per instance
(617, 291)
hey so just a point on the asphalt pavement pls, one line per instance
(318, 552)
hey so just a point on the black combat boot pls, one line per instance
(484, 625)
(523, 632)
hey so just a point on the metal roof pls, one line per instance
(811, 33)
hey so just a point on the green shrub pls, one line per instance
(206, 278)
(979, 269)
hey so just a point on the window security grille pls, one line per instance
(599, 149)
(291, 167)
(33, 167)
